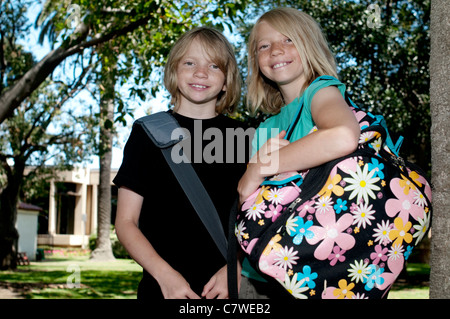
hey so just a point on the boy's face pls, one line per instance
(200, 80)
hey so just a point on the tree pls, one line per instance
(108, 74)
(28, 140)
(440, 113)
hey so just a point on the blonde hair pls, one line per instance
(220, 52)
(311, 45)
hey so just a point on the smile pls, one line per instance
(280, 65)
(199, 86)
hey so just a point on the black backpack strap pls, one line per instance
(159, 127)
(232, 262)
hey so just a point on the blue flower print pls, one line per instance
(308, 276)
(340, 206)
(378, 167)
(374, 277)
(408, 252)
(302, 230)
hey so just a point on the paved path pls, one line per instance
(6, 293)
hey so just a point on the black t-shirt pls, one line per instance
(167, 218)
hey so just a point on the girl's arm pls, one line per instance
(172, 283)
(337, 135)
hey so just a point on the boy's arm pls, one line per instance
(172, 283)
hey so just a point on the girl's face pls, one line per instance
(279, 61)
(200, 80)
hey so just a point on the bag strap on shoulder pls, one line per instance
(159, 127)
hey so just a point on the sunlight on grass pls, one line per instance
(53, 277)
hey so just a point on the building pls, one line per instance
(72, 215)
(27, 227)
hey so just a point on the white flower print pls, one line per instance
(362, 215)
(358, 271)
(396, 251)
(275, 196)
(291, 224)
(293, 287)
(255, 211)
(286, 257)
(382, 232)
(239, 230)
(365, 137)
(421, 228)
(377, 144)
(324, 204)
(419, 199)
(362, 183)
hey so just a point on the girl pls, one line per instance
(287, 51)
(155, 221)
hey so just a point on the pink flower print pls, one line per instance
(423, 181)
(404, 204)
(379, 254)
(273, 212)
(267, 264)
(307, 207)
(336, 255)
(250, 246)
(396, 266)
(346, 165)
(331, 232)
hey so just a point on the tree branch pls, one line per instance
(15, 95)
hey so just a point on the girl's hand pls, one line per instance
(264, 163)
(217, 286)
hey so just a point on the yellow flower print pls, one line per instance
(400, 232)
(260, 197)
(344, 290)
(332, 186)
(273, 244)
(415, 177)
(406, 184)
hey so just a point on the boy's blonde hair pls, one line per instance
(220, 52)
(311, 45)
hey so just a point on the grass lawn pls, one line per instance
(414, 285)
(75, 277)
(51, 279)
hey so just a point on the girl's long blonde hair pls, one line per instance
(221, 53)
(315, 54)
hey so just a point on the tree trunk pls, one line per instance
(440, 160)
(9, 237)
(103, 250)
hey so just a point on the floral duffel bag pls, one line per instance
(343, 230)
